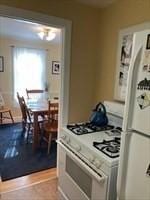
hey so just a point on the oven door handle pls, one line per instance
(99, 177)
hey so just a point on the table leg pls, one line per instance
(35, 131)
(1, 118)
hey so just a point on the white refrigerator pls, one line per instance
(133, 181)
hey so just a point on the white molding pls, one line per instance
(65, 25)
(32, 16)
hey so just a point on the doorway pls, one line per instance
(65, 27)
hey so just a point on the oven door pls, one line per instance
(77, 180)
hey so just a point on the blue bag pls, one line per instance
(99, 117)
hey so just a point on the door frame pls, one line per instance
(65, 26)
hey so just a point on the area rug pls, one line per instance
(46, 190)
(17, 157)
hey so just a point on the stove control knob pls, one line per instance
(91, 159)
(63, 137)
(77, 148)
(97, 164)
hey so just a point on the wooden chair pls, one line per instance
(32, 92)
(3, 111)
(27, 118)
(51, 126)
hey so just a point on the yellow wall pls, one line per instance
(122, 14)
(84, 48)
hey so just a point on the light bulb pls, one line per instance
(51, 36)
(41, 35)
(47, 35)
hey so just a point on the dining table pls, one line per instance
(38, 107)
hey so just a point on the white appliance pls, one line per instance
(88, 158)
(134, 167)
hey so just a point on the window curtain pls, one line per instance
(29, 69)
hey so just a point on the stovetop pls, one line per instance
(109, 147)
(85, 128)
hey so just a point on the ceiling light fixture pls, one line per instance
(47, 34)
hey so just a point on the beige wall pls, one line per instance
(122, 14)
(6, 77)
(83, 51)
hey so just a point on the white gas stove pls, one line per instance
(90, 153)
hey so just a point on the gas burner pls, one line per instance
(109, 147)
(85, 128)
(81, 129)
(116, 131)
(112, 149)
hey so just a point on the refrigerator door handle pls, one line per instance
(129, 131)
(135, 62)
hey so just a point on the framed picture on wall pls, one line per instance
(1, 63)
(55, 67)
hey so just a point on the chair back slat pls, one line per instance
(52, 111)
(24, 110)
(34, 91)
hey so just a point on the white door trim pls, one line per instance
(65, 25)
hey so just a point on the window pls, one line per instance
(29, 69)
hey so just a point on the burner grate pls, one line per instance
(85, 128)
(110, 147)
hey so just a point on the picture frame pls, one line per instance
(1, 64)
(55, 67)
(148, 42)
